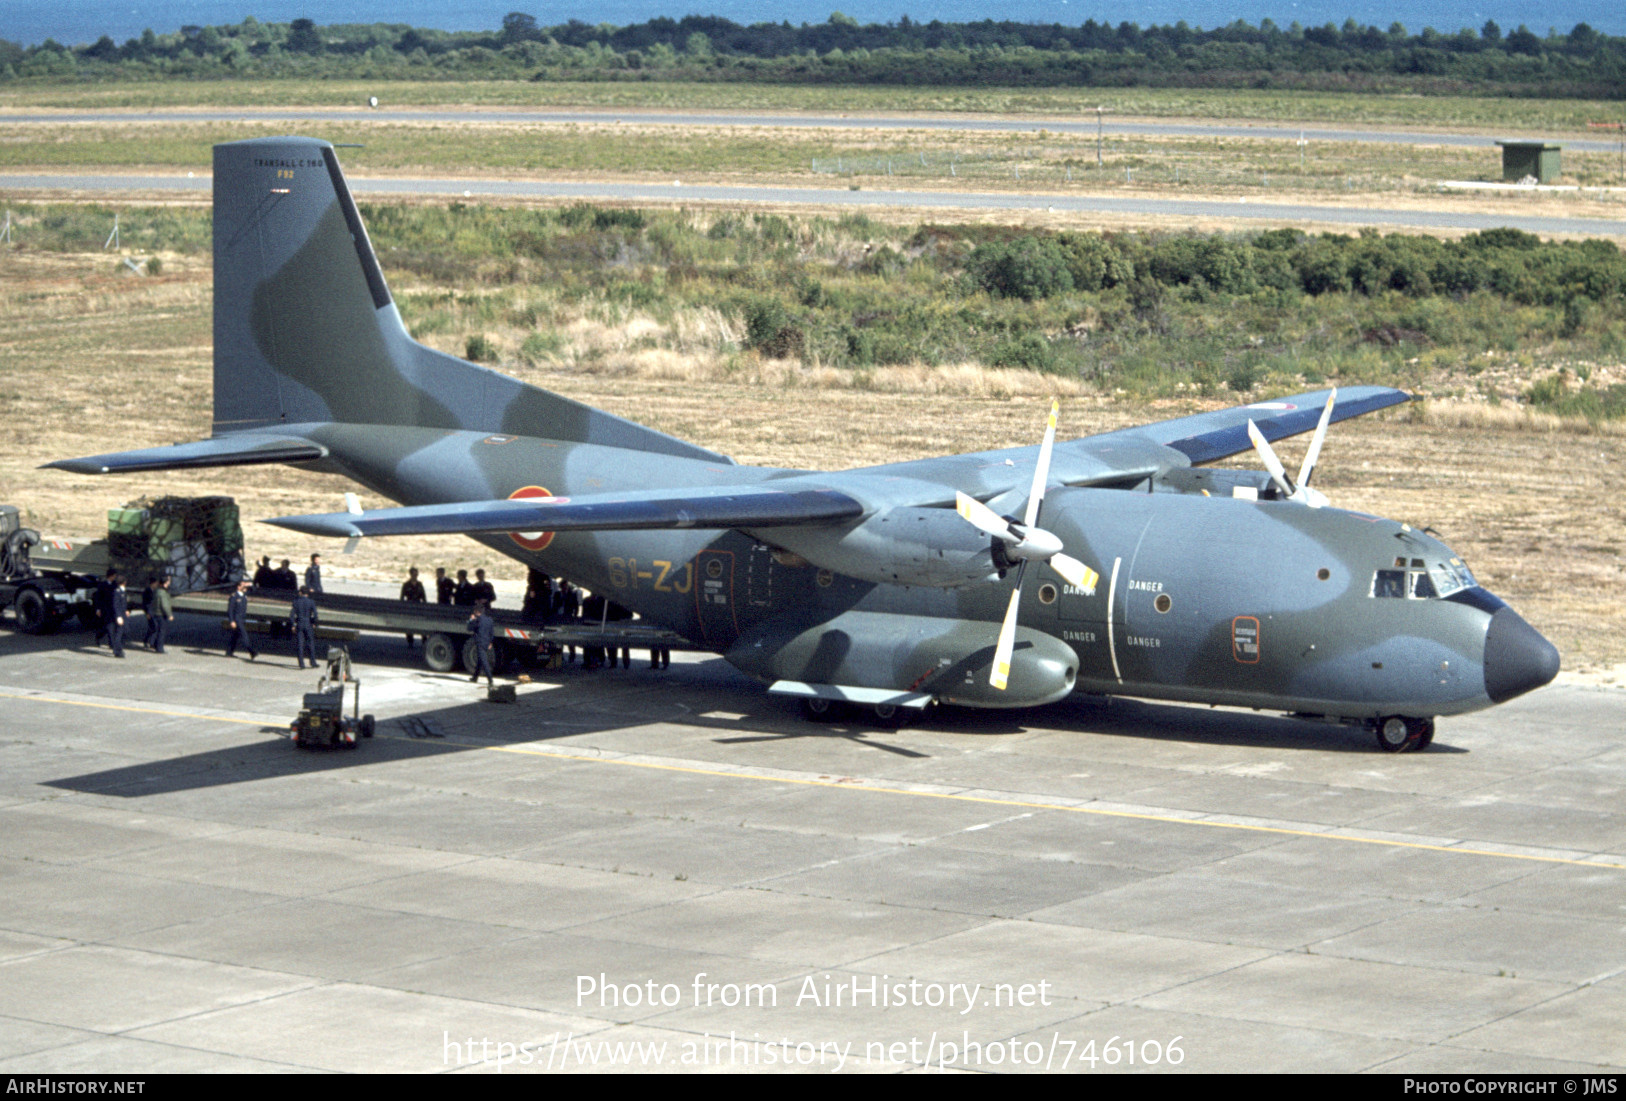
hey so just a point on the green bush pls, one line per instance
(1031, 352)
(1026, 268)
(479, 349)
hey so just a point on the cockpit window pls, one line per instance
(1418, 580)
(1446, 579)
(1461, 569)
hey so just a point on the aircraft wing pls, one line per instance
(1208, 437)
(692, 507)
(242, 449)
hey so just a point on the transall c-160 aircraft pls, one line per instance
(1114, 564)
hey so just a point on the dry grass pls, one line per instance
(92, 361)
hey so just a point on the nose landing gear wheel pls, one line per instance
(1398, 734)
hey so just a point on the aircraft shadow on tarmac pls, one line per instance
(707, 695)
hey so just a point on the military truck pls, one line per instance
(198, 543)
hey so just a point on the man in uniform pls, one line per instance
(118, 611)
(160, 614)
(444, 586)
(484, 631)
(237, 623)
(302, 618)
(313, 575)
(412, 592)
(101, 601)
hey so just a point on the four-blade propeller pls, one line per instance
(1023, 543)
(1299, 490)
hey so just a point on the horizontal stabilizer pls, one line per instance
(244, 449)
(722, 507)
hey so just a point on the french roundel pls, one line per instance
(532, 540)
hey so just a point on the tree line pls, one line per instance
(1580, 63)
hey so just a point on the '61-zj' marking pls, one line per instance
(661, 576)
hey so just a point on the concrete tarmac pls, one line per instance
(631, 869)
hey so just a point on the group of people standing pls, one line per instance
(546, 600)
(282, 577)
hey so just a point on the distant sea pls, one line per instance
(77, 22)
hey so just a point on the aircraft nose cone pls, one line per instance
(1517, 657)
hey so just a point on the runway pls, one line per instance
(640, 869)
(677, 192)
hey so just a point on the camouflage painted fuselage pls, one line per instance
(864, 580)
(1266, 604)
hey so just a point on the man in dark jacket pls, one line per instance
(484, 631)
(237, 623)
(313, 575)
(482, 591)
(283, 577)
(118, 612)
(302, 618)
(160, 614)
(412, 592)
(445, 587)
(101, 602)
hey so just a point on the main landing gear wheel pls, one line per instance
(890, 716)
(820, 710)
(1398, 734)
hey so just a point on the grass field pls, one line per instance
(95, 361)
(1009, 161)
(1539, 117)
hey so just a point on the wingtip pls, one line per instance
(320, 525)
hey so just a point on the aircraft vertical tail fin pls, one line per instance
(306, 331)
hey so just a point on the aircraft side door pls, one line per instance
(715, 597)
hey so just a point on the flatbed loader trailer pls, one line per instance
(49, 582)
(444, 628)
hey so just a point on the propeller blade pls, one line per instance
(1311, 456)
(1001, 671)
(1041, 469)
(1075, 573)
(1267, 455)
(982, 516)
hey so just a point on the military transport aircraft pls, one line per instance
(1112, 564)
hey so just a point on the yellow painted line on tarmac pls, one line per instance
(861, 786)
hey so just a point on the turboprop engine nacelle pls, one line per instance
(931, 547)
(945, 658)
